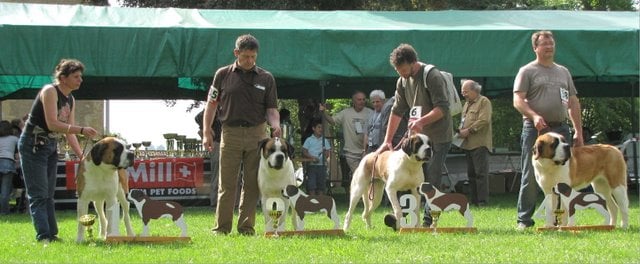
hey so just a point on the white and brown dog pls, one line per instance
(600, 165)
(102, 178)
(274, 174)
(574, 200)
(152, 209)
(303, 203)
(439, 201)
(397, 170)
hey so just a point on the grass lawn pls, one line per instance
(496, 241)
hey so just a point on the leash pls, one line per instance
(405, 136)
(371, 193)
(86, 143)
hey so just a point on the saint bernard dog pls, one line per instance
(275, 172)
(396, 170)
(600, 165)
(101, 179)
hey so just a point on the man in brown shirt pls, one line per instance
(475, 129)
(248, 99)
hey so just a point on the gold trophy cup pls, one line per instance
(170, 137)
(146, 145)
(136, 150)
(87, 221)
(275, 220)
(558, 213)
(435, 215)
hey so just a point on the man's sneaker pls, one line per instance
(521, 227)
(390, 221)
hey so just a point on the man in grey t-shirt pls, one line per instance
(544, 93)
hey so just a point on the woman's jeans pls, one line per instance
(39, 158)
(7, 172)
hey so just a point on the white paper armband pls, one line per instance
(213, 94)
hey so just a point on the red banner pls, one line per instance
(154, 173)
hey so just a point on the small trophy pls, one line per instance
(87, 221)
(170, 137)
(67, 156)
(558, 213)
(180, 145)
(435, 215)
(275, 211)
(275, 220)
(136, 152)
(146, 145)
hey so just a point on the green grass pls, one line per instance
(495, 242)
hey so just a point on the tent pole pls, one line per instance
(634, 129)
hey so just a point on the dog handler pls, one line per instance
(543, 92)
(429, 110)
(52, 116)
(243, 126)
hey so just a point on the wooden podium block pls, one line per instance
(149, 239)
(327, 232)
(438, 230)
(577, 228)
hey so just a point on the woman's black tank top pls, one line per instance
(36, 116)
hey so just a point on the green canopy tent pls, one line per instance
(169, 53)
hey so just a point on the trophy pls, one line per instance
(435, 215)
(275, 212)
(275, 220)
(558, 212)
(136, 146)
(192, 146)
(180, 145)
(170, 143)
(67, 156)
(87, 221)
(146, 145)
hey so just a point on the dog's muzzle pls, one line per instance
(426, 155)
(567, 155)
(130, 157)
(278, 161)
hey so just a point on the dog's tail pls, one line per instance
(299, 176)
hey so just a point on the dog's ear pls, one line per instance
(262, 143)
(96, 153)
(407, 145)
(537, 150)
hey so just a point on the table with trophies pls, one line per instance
(181, 172)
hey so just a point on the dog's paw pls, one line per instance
(390, 221)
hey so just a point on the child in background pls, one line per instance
(313, 149)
